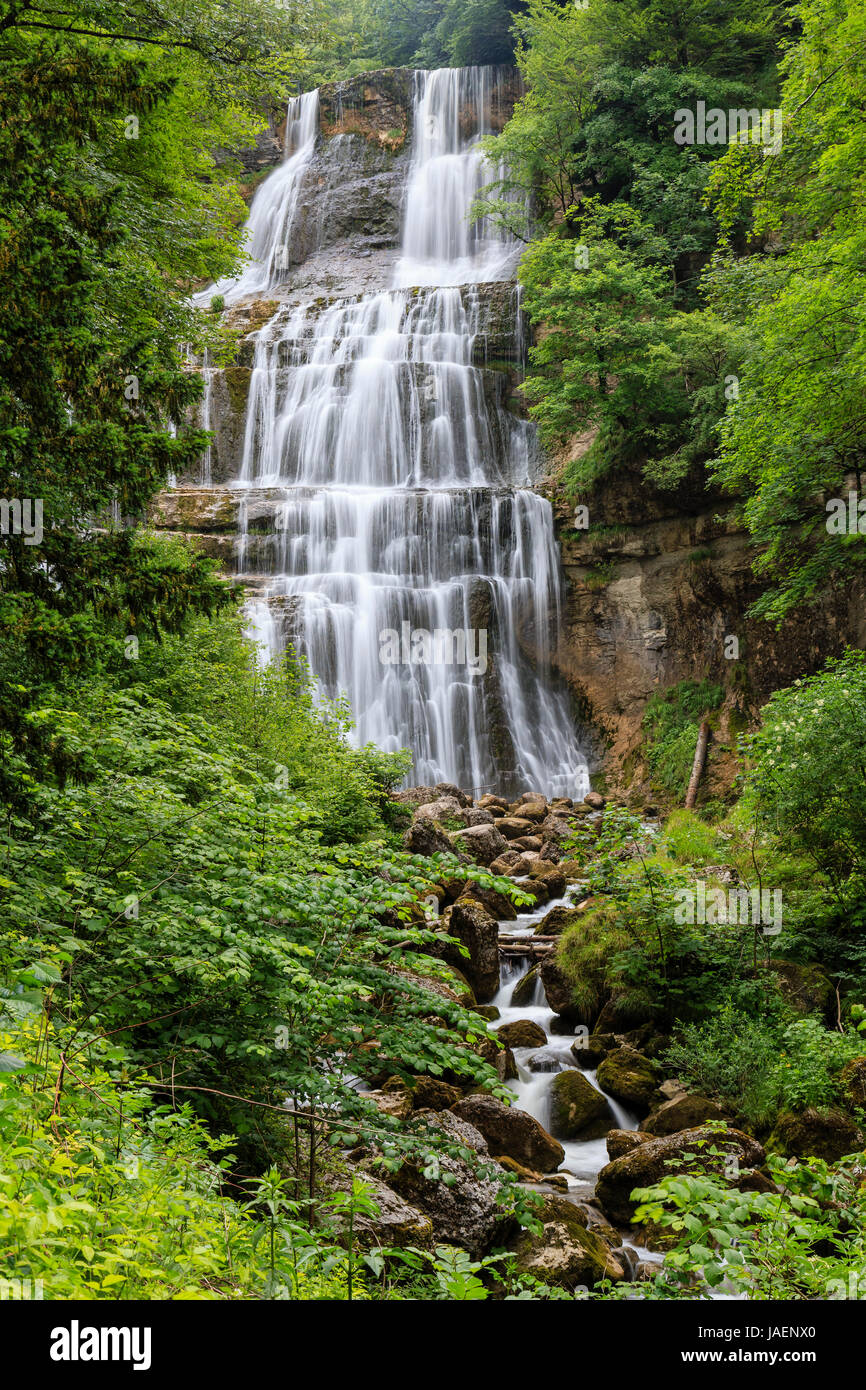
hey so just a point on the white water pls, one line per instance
(583, 1160)
(272, 212)
(404, 483)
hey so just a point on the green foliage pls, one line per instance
(803, 1241)
(672, 722)
(797, 430)
(758, 1066)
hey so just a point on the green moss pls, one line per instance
(672, 722)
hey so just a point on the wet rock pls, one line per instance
(556, 920)
(471, 924)
(524, 1174)
(549, 1059)
(528, 842)
(685, 1112)
(560, 995)
(622, 1141)
(630, 1078)
(483, 843)
(466, 1212)
(566, 1254)
(524, 991)
(537, 890)
(826, 1133)
(647, 1163)
(595, 801)
(523, 1032)
(578, 1110)
(510, 1131)
(588, 1051)
(488, 1011)
(500, 1057)
(550, 875)
(532, 810)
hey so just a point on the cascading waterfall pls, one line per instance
(410, 553)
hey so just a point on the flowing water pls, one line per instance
(411, 563)
(583, 1160)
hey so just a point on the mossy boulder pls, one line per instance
(524, 991)
(807, 988)
(557, 919)
(577, 1109)
(431, 1093)
(565, 1253)
(589, 1050)
(647, 1163)
(630, 1078)
(551, 875)
(523, 1032)
(685, 1112)
(825, 1133)
(622, 1141)
(510, 1131)
(497, 904)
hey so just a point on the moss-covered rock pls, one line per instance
(510, 1131)
(647, 1163)
(826, 1133)
(853, 1083)
(523, 1032)
(566, 1253)
(685, 1112)
(622, 1141)
(556, 920)
(524, 991)
(577, 1109)
(630, 1078)
(807, 988)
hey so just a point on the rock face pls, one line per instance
(566, 1253)
(630, 1078)
(472, 925)
(647, 1164)
(511, 1132)
(577, 1109)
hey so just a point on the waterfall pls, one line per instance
(272, 212)
(410, 558)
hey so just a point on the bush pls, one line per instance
(672, 722)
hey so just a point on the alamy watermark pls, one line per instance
(846, 516)
(738, 906)
(735, 126)
(22, 516)
(444, 646)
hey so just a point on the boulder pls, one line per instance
(549, 1059)
(449, 789)
(630, 1078)
(488, 1011)
(566, 1254)
(622, 1141)
(595, 801)
(537, 890)
(556, 920)
(826, 1133)
(512, 827)
(532, 810)
(500, 1057)
(510, 1131)
(522, 1033)
(431, 1093)
(588, 1051)
(808, 988)
(397, 1223)
(560, 995)
(492, 804)
(504, 864)
(685, 1112)
(426, 837)
(647, 1163)
(397, 1102)
(556, 828)
(478, 817)
(550, 875)
(622, 1013)
(472, 925)
(483, 843)
(497, 904)
(446, 808)
(465, 1211)
(577, 1109)
(528, 842)
(525, 989)
(852, 1081)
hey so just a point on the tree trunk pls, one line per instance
(698, 764)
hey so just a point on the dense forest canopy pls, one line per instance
(216, 937)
